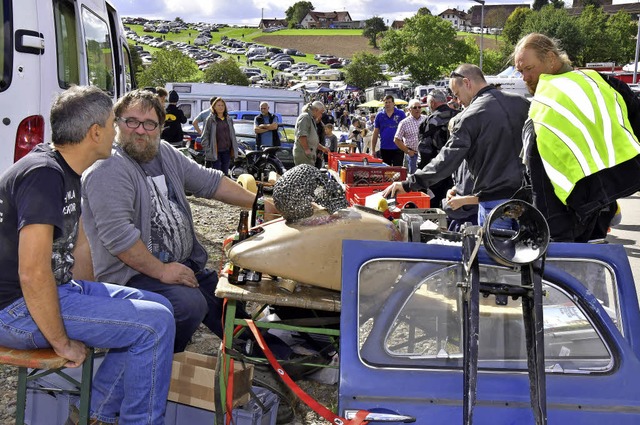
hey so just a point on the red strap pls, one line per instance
(229, 408)
(306, 398)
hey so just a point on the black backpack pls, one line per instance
(434, 133)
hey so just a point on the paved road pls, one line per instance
(627, 233)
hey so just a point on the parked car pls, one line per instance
(406, 341)
(245, 133)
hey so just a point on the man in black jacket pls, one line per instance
(172, 131)
(487, 134)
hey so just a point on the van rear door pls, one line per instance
(48, 46)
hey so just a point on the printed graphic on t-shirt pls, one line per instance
(171, 235)
(62, 256)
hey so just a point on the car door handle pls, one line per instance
(380, 417)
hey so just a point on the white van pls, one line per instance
(194, 97)
(48, 46)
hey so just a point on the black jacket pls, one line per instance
(172, 131)
(594, 192)
(488, 134)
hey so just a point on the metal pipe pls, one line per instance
(635, 63)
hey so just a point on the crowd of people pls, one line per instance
(105, 202)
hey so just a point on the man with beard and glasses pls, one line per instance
(48, 295)
(138, 220)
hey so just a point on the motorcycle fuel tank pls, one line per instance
(309, 251)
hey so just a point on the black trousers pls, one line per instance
(564, 223)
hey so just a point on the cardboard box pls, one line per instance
(193, 381)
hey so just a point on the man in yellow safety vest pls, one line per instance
(580, 143)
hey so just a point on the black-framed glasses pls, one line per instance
(133, 123)
(456, 75)
(416, 107)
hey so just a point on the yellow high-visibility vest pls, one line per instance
(581, 127)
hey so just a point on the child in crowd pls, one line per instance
(330, 139)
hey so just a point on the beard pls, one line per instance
(138, 151)
(531, 86)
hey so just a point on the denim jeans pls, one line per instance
(138, 329)
(411, 163)
(485, 207)
(191, 306)
(222, 163)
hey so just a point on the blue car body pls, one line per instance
(401, 336)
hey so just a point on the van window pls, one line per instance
(233, 105)
(186, 109)
(128, 69)
(99, 51)
(287, 109)
(6, 43)
(253, 105)
(66, 44)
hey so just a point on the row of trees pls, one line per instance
(172, 65)
(428, 47)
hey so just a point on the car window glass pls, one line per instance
(599, 279)
(410, 316)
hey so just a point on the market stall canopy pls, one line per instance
(371, 104)
(341, 86)
(298, 86)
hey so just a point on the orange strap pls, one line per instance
(306, 398)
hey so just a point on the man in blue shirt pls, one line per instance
(266, 128)
(385, 127)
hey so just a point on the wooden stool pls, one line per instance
(43, 362)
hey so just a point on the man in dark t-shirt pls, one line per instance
(44, 301)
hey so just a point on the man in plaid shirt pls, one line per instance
(406, 137)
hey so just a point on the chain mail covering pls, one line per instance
(295, 191)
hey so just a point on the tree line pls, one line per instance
(428, 47)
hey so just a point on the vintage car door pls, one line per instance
(401, 337)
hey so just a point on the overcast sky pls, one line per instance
(249, 12)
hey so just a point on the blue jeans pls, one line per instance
(412, 163)
(191, 306)
(485, 207)
(138, 329)
(223, 162)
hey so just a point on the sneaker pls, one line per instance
(74, 418)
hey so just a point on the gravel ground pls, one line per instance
(213, 222)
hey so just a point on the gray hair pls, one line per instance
(75, 110)
(314, 106)
(413, 102)
(143, 98)
(439, 96)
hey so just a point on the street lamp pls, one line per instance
(481, 2)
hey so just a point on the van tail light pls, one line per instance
(197, 146)
(30, 133)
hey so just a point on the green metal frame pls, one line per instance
(231, 322)
(26, 375)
